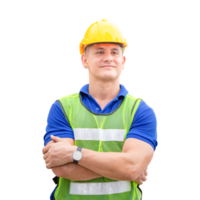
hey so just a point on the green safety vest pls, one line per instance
(102, 133)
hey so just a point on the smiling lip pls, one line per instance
(105, 66)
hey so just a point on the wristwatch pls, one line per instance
(77, 155)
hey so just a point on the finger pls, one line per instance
(148, 168)
(48, 158)
(143, 178)
(47, 166)
(55, 139)
(44, 149)
(50, 163)
(147, 173)
(140, 182)
(46, 155)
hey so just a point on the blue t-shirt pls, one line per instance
(143, 126)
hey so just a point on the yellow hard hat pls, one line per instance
(100, 32)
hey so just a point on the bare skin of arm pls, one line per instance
(73, 171)
(78, 173)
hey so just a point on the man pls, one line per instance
(100, 141)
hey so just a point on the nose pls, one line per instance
(108, 57)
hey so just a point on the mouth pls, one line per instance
(107, 66)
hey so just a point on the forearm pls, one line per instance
(113, 165)
(116, 166)
(75, 172)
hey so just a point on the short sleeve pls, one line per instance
(56, 124)
(145, 125)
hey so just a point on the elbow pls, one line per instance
(57, 171)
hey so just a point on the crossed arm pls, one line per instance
(73, 171)
(130, 164)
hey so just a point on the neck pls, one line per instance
(104, 92)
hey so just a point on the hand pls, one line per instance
(142, 177)
(58, 153)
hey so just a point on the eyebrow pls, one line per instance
(101, 48)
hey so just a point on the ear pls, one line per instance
(124, 62)
(84, 60)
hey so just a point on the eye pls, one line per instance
(99, 52)
(115, 52)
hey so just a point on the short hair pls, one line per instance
(88, 46)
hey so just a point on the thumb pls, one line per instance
(55, 139)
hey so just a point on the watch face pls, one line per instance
(77, 155)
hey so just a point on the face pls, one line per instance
(104, 61)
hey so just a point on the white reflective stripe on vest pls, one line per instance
(99, 134)
(100, 188)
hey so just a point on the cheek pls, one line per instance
(97, 60)
(93, 60)
(119, 60)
